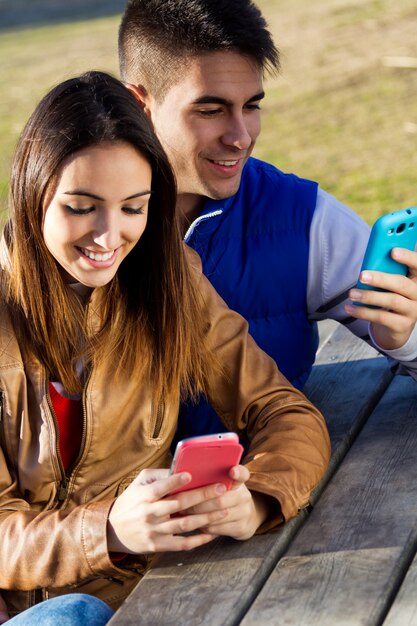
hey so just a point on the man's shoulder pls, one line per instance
(264, 192)
(264, 185)
(256, 168)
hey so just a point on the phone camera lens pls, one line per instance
(400, 228)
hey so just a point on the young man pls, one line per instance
(279, 249)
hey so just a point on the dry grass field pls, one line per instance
(343, 111)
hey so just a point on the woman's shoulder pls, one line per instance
(9, 348)
(193, 258)
(194, 264)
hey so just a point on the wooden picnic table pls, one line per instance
(349, 559)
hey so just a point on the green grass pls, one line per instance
(336, 114)
(356, 148)
(35, 59)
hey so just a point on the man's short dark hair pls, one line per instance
(158, 37)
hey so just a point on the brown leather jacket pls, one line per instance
(53, 528)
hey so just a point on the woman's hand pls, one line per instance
(394, 320)
(246, 511)
(140, 519)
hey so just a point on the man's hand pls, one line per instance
(394, 320)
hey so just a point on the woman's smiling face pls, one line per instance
(98, 212)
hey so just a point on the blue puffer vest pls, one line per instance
(254, 248)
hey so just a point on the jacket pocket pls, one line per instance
(158, 417)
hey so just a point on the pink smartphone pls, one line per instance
(208, 459)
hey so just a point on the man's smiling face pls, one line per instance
(208, 123)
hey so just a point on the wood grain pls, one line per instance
(403, 612)
(366, 515)
(347, 381)
(304, 592)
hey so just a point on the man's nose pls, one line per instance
(237, 133)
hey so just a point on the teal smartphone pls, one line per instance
(395, 230)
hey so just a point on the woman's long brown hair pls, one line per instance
(150, 316)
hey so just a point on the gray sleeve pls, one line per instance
(338, 239)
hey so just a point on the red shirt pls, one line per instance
(69, 415)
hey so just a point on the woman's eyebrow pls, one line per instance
(88, 194)
(137, 195)
(81, 192)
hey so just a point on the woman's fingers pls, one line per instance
(179, 543)
(151, 489)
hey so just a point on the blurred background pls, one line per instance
(343, 111)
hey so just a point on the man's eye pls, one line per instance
(209, 112)
(253, 107)
(77, 211)
(131, 211)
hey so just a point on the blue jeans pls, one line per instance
(74, 609)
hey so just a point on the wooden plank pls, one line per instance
(349, 558)
(212, 585)
(191, 591)
(326, 330)
(306, 584)
(347, 381)
(403, 612)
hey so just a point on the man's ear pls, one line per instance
(141, 96)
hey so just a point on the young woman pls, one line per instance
(106, 323)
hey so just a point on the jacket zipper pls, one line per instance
(66, 475)
(63, 484)
(198, 220)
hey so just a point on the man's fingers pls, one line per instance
(380, 316)
(394, 283)
(383, 300)
(406, 257)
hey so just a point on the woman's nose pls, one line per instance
(106, 232)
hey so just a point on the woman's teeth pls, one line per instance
(96, 256)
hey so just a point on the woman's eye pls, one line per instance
(77, 211)
(133, 211)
